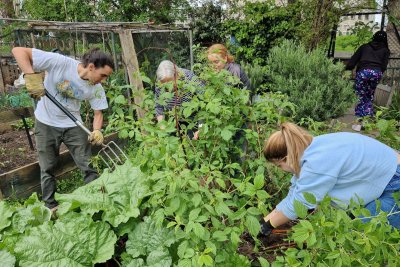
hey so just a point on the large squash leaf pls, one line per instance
(6, 212)
(6, 259)
(152, 241)
(33, 213)
(117, 195)
(74, 240)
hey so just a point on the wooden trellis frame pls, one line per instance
(124, 31)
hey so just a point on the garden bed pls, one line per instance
(15, 150)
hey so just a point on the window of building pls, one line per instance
(367, 17)
(359, 16)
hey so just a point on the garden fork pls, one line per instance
(109, 152)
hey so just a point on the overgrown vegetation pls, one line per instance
(182, 202)
(185, 202)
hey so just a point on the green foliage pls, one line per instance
(7, 260)
(15, 100)
(69, 184)
(166, 11)
(330, 238)
(74, 240)
(146, 239)
(257, 75)
(117, 199)
(207, 25)
(20, 124)
(311, 80)
(393, 111)
(387, 129)
(363, 32)
(59, 10)
(346, 43)
(263, 26)
(181, 202)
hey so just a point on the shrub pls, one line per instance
(312, 81)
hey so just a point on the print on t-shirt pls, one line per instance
(66, 89)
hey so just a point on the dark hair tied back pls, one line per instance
(98, 58)
(380, 36)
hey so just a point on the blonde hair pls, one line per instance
(290, 142)
(221, 50)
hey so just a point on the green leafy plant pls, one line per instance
(262, 26)
(330, 237)
(311, 81)
(15, 100)
(178, 201)
(20, 124)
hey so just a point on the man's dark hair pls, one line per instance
(98, 58)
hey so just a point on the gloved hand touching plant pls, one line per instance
(34, 85)
(266, 227)
(96, 137)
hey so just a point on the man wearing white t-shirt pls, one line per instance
(70, 82)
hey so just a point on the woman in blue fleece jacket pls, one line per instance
(342, 165)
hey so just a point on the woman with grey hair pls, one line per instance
(168, 72)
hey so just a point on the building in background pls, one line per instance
(347, 23)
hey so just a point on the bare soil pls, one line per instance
(15, 150)
(269, 246)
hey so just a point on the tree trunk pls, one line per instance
(322, 23)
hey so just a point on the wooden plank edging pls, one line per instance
(15, 114)
(23, 181)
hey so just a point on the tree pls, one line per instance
(163, 11)
(59, 10)
(259, 26)
(206, 22)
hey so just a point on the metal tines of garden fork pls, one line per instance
(111, 152)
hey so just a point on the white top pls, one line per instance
(63, 82)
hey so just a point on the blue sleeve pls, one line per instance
(317, 184)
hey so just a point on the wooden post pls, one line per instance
(132, 65)
(33, 40)
(84, 42)
(2, 85)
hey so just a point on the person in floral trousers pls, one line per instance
(371, 60)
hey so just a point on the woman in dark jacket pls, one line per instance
(371, 60)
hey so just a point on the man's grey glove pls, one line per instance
(266, 227)
(34, 85)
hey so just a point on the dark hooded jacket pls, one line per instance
(238, 71)
(373, 55)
